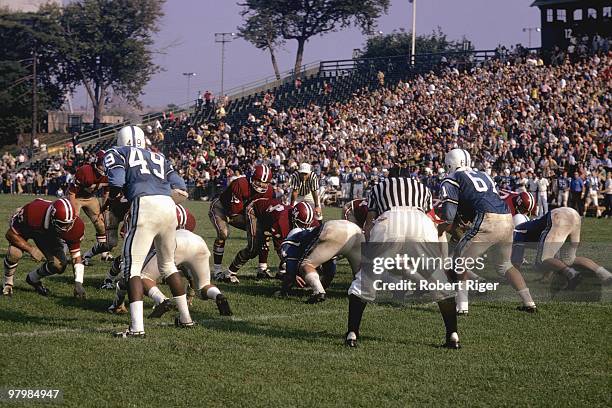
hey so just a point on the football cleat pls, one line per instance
(79, 291)
(129, 333)
(227, 277)
(280, 275)
(264, 274)
(181, 325)
(316, 298)
(574, 282)
(118, 310)
(462, 312)
(107, 284)
(159, 310)
(38, 287)
(350, 340)
(223, 305)
(87, 260)
(452, 342)
(7, 290)
(527, 309)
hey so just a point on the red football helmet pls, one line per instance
(185, 219)
(62, 214)
(302, 215)
(261, 178)
(100, 162)
(524, 202)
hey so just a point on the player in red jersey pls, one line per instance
(51, 225)
(89, 180)
(228, 209)
(269, 217)
(518, 203)
(356, 211)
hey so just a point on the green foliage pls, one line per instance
(301, 20)
(400, 43)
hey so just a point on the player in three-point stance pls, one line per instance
(471, 195)
(228, 209)
(356, 211)
(147, 179)
(550, 231)
(51, 225)
(397, 213)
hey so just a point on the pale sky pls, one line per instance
(187, 38)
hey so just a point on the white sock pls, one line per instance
(8, 280)
(136, 316)
(462, 299)
(602, 273)
(526, 297)
(569, 273)
(351, 336)
(263, 266)
(312, 279)
(157, 295)
(212, 292)
(183, 308)
(217, 268)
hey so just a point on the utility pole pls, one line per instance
(189, 75)
(413, 48)
(34, 101)
(529, 30)
(223, 38)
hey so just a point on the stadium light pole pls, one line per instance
(413, 48)
(529, 30)
(223, 38)
(189, 75)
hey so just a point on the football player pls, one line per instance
(191, 257)
(309, 253)
(518, 202)
(51, 225)
(148, 182)
(269, 217)
(356, 211)
(551, 231)
(228, 209)
(89, 180)
(471, 195)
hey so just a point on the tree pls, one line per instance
(301, 20)
(400, 43)
(23, 37)
(109, 47)
(260, 30)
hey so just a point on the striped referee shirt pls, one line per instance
(399, 192)
(304, 187)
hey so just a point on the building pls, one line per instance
(78, 121)
(563, 22)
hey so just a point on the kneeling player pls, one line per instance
(51, 225)
(551, 231)
(191, 257)
(310, 251)
(356, 211)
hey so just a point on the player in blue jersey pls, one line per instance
(309, 255)
(550, 231)
(470, 195)
(147, 181)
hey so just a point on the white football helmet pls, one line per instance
(519, 219)
(131, 136)
(457, 158)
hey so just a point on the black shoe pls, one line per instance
(264, 274)
(452, 342)
(38, 287)
(352, 343)
(223, 305)
(527, 309)
(161, 309)
(107, 284)
(316, 298)
(129, 333)
(179, 324)
(574, 282)
(280, 275)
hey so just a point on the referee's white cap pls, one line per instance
(305, 168)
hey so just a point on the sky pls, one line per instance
(186, 42)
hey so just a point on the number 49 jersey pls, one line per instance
(468, 192)
(141, 172)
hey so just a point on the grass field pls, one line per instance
(282, 352)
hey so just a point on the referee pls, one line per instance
(305, 187)
(400, 206)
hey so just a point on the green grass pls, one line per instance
(285, 353)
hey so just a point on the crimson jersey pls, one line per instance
(239, 194)
(508, 197)
(34, 218)
(359, 209)
(435, 210)
(273, 216)
(87, 181)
